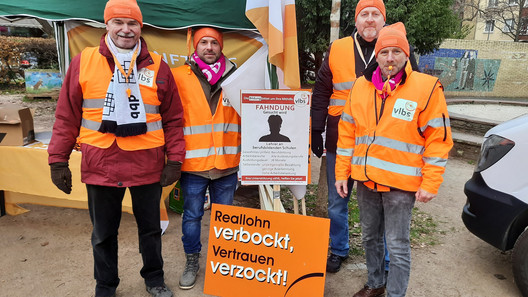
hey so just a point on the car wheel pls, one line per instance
(520, 262)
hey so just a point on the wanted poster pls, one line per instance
(275, 137)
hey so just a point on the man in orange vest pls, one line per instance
(394, 140)
(120, 102)
(346, 59)
(212, 140)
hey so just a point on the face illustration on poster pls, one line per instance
(275, 123)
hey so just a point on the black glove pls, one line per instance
(171, 173)
(317, 143)
(61, 176)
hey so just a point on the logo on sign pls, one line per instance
(302, 98)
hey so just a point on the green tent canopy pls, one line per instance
(167, 14)
(162, 14)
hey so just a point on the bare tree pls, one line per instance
(505, 15)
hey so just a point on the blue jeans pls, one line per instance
(105, 208)
(337, 210)
(221, 191)
(386, 213)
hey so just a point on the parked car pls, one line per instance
(496, 210)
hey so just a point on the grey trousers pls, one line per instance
(386, 213)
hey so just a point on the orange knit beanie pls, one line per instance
(393, 35)
(362, 4)
(208, 32)
(122, 9)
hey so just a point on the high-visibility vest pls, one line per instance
(342, 63)
(94, 77)
(210, 141)
(392, 152)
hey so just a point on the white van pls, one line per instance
(496, 210)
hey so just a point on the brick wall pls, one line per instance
(501, 71)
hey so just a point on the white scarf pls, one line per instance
(124, 112)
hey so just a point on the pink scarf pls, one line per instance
(382, 86)
(213, 72)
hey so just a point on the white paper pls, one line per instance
(252, 75)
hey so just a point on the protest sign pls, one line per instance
(275, 137)
(254, 252)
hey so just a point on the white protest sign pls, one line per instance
(275, 137)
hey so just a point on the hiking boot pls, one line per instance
(369, 292)
(192, 266)
(333, 263)
(161, 291)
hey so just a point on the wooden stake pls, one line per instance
(276, 198)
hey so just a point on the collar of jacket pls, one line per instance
(363, 43)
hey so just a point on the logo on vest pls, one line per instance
(225, 102)
(404, 109)
(146, 77)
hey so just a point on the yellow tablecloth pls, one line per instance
(25, 178)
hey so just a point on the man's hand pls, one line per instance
(424, 196)
(317, 143)
(342, 187)
(171, 173)
(61, 176)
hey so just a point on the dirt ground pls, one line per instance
(47, 251)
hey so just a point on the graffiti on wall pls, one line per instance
(40, 81)
(461, 70)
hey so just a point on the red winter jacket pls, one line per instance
(114, 166)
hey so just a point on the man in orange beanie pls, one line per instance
(346, 60)
(212, 140)
(128, 124)
(399, 116)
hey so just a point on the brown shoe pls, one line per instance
(368, 292)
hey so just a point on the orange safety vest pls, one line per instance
(210, 141)
(342, 63)
(94, 77)
(393, 152)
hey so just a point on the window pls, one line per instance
(513, 2)
(492, 3)
(524, 26)
(489, 26)
(508, 26)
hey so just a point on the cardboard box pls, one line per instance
(16, 125)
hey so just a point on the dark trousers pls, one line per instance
(104, 204)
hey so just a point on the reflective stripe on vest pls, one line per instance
(391, 144)
(436, 161)
(210, 141)
(343, 66)
(99, 103)
(436, 123)
(93, 125)
(344, 152)
(225, 127)
(347, 118)
(388, 166)
(94, 77)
